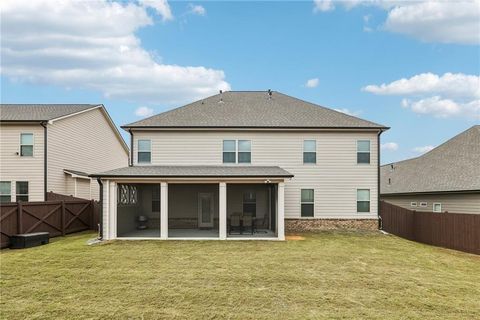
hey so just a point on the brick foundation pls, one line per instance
(306, 225)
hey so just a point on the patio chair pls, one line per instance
(235, 223)
(248, 222)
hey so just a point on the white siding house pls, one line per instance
(244, 165)
(69, 142)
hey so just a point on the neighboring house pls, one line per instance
(50, 147)
(446, 178)
(238, 162)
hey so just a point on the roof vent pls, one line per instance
(269, 94)
(392, 167)
(389, 181)
(221, 97)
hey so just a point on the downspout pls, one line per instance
(44, 125)
(131, 147)
(100, 225)
(380, 226)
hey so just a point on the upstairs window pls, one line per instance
(244, 151)
(363, 151)
(437, 207)
(237, 151)
(307, 203)
(309, 151)
(22, 191)
(363, 200)
(144, 151)
(5, 191)
(229, 151)
(26, 144)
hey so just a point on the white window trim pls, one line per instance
(138, 151)
(308, 202)
(20, 145)
(423, 204)
(437, 203)
(303, 153)
(237, 151)
(11, 193)
(369, 201)
(22, 194)
(369, 152)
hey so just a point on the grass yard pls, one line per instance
(327, 275)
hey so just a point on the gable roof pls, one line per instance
(451, 167)
(40, 112)
(253, 109)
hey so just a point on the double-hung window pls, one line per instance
(309, 151)
(26, 144)
(437, 207)
(237, 151)
(250, 203)
(144, 151)
(307, 203)
(363, 200)
(22, 191)
(5, 191)
(363, 151)
(244, 151)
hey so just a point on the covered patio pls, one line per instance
(193, 202)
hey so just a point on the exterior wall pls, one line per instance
(78, 187)
(335, 177)
(14, 168)
(85, 142)
(454, 203)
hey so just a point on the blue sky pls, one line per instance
(160, 55)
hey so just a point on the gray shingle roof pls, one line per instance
(78, 173)
(253, 109)
(452, 166)
(39, 112)
(196, 171)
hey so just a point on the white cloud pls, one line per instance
(160, 6)
(423, 149)
(312, 83)
(323, 5)
(449, 84)
(426, 20)
(92, 45)
(449, 95)
(444, 108)
(347, 111)
(144, 112)
(390, 146)
(197, 9)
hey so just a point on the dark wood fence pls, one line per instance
(450, 230)
(59, 217)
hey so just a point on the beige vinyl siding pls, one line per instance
(13, 167)
(335, 177)
(84, 142)
(454, 202)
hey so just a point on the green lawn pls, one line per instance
(327, 275)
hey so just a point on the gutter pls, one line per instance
(45, 149)
(131, 147)
(100, 224)
(380, 226)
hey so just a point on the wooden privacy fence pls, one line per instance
(58, 217)
(450, 230)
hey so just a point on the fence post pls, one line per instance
(19, 217)
(63, 217)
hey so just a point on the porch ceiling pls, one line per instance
(195, 172)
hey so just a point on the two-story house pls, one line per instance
(53, 148)
(242, 165)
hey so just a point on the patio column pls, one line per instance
(112, 210)
(105, 210)
(222, 210)
(163, 210)
(281, 211)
